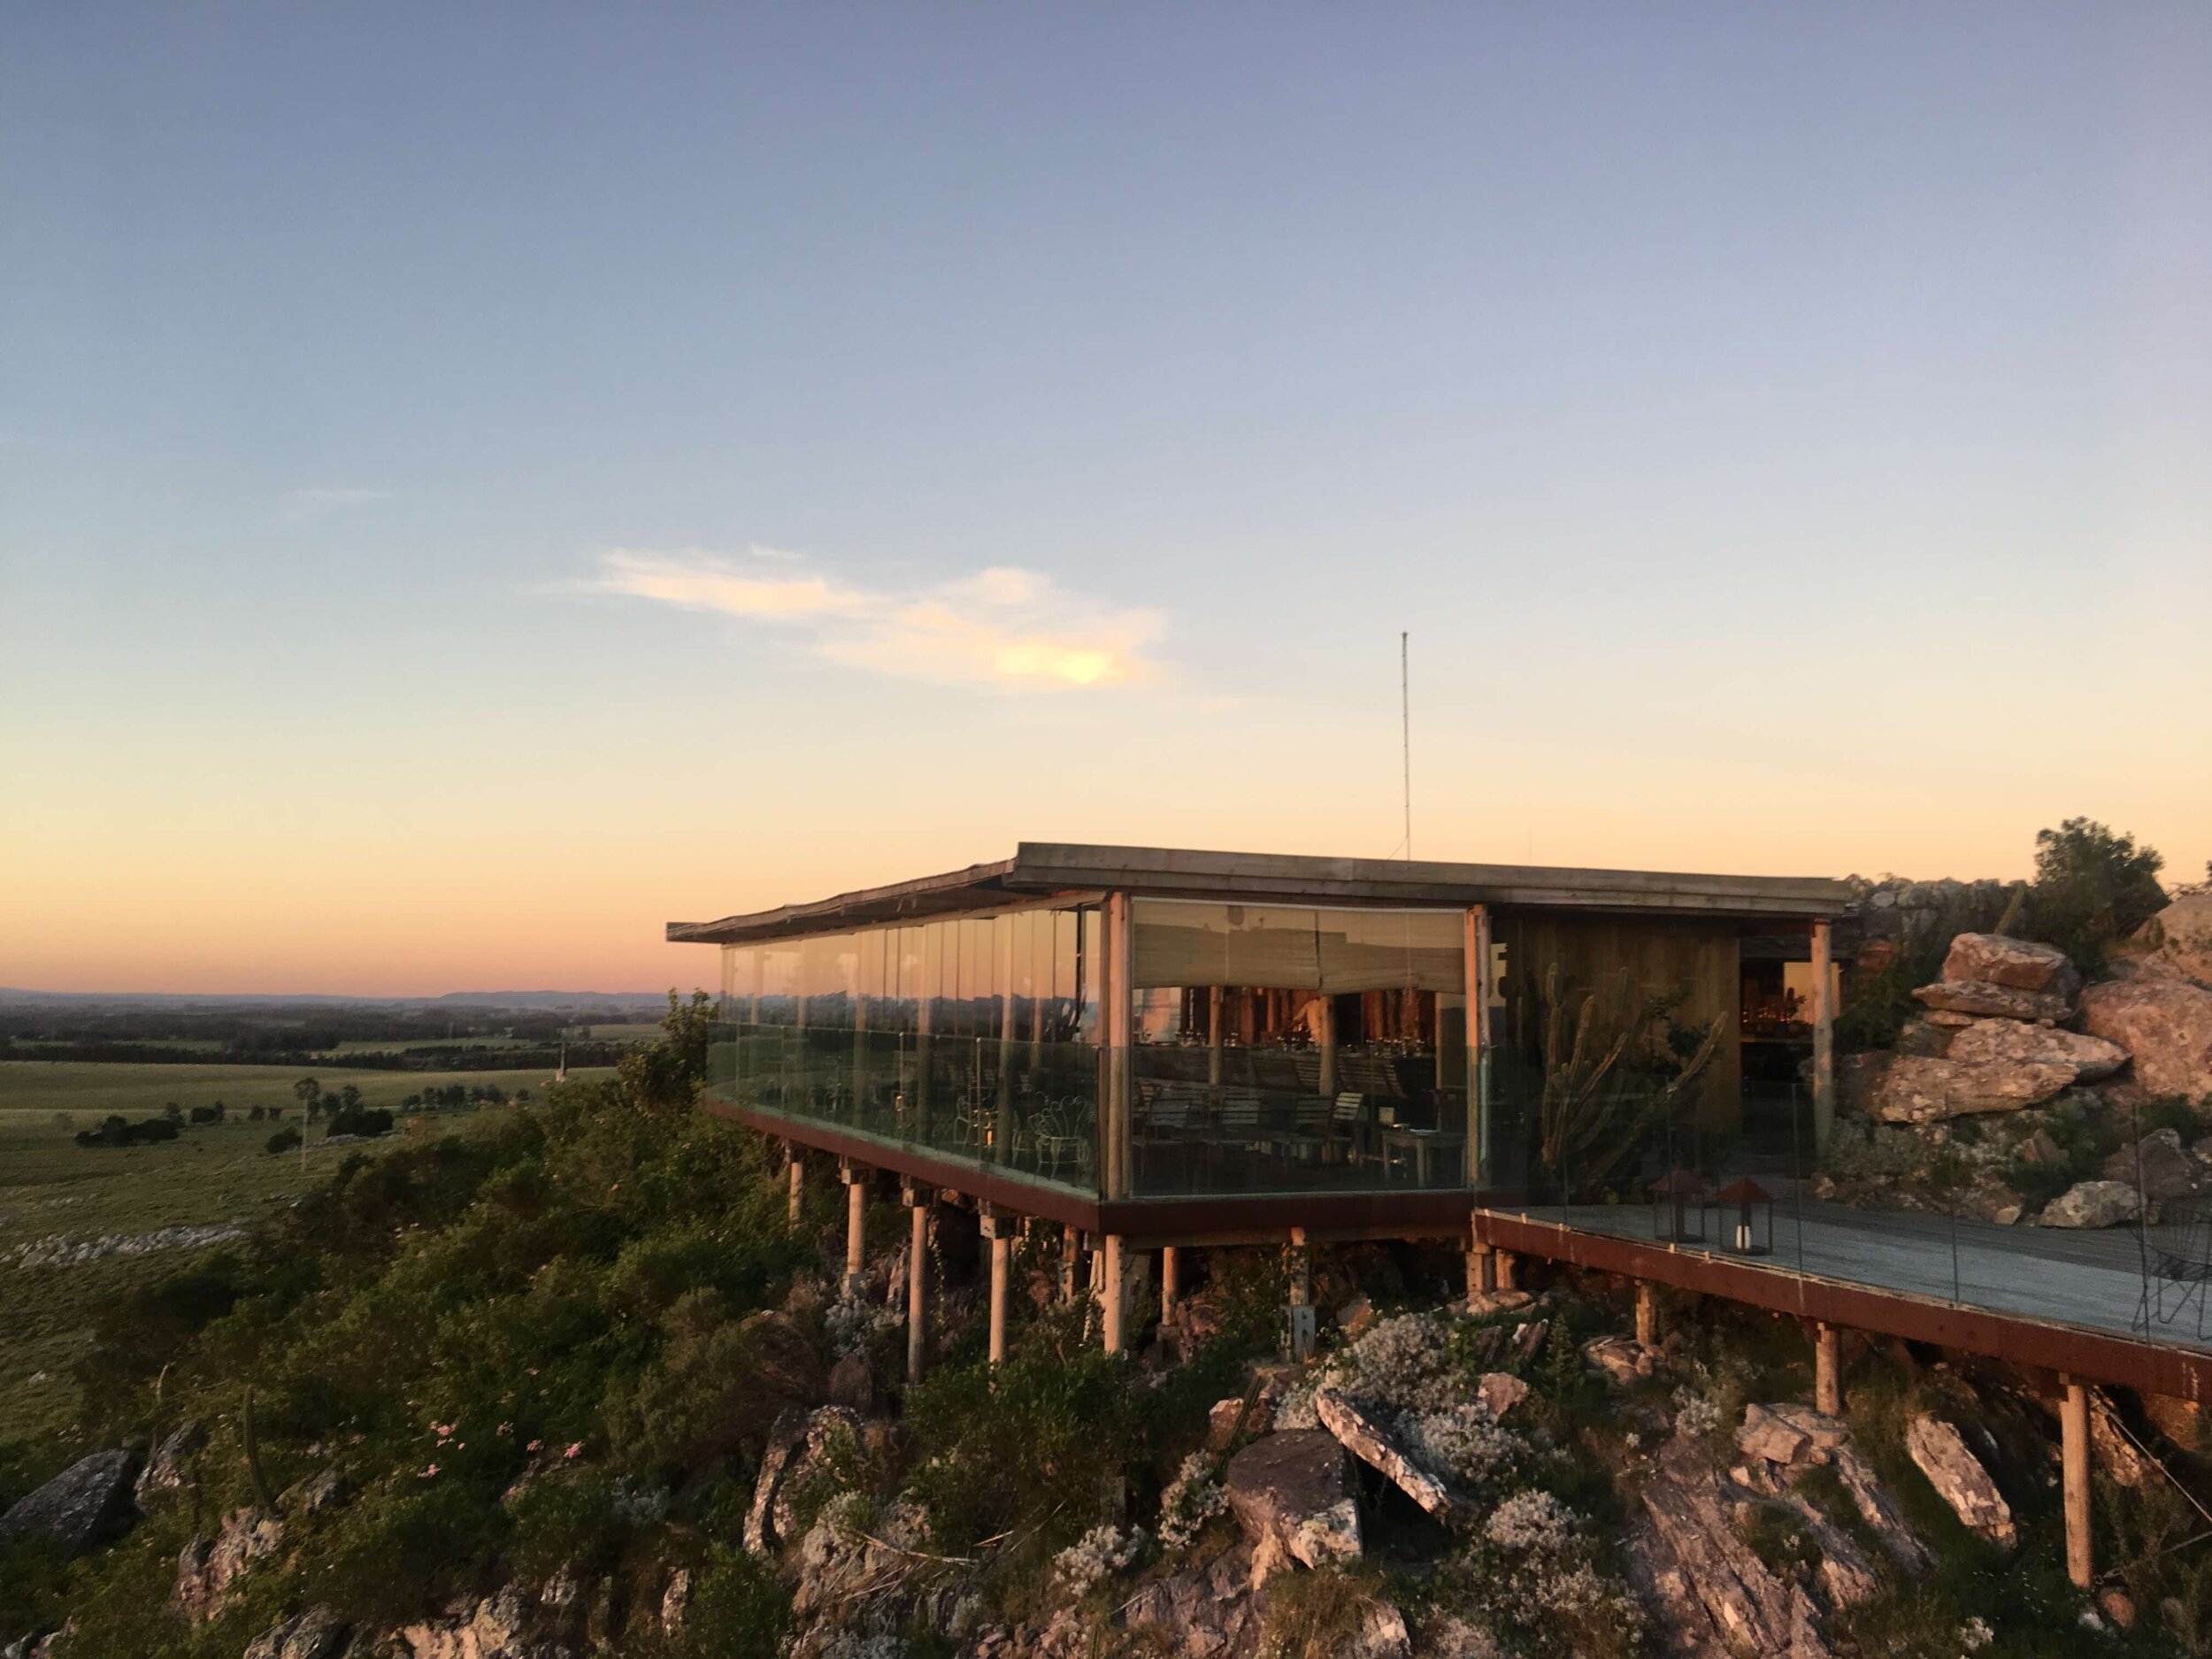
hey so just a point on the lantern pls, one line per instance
(1747, 1210)
(1678, 1206)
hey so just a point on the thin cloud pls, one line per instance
(1003, 627)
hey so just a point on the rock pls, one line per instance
(1824, 1435)
(2008, 1041)
(1997, 1001)
(326, 1490)
(2177, 943)
(785, 1436)
(1920, 1091)
(166, 1469)
(2155, 1166)
(1374, 1445)
(1528, 1339)
(1223, 1419)
(1946, 1019)
(2019, 965)
(2039, 1148)
(1925, 1038)
(1381, 1635)
(2092, 1204)
(1618, 1360)
(1847, 1577)
(1859, 1077)
(2165, 1024)
(1959, 1478)
(825, 1427)
(206, 1569)
(852, 1381)
(1706, 1579)
(1293, 1491)
(1355, 1316)
(1769, 1435)
(492, 1628)
(317, 1633)
(1486, 1303)
(84, 1505)
(1500, 1391)
(1877, 1507)
(2119, 1606)
(675, 1603)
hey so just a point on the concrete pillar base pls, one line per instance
(855, 1179)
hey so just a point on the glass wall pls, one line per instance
(1282, 1049)
(975, 1036)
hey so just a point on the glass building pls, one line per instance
(1083, 1030)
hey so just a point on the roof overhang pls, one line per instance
(1039, 868)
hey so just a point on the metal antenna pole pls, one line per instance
(1405, 738)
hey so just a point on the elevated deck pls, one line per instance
(2067, 1302)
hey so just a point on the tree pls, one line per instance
(310, 1096)
(349, 1098)
(2092, 888)
(173, 1112)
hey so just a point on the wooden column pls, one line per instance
(855, 1179)
(1169, 1267)
(1069, 1246)
(1327, 1022)
(916, 1201)
(1213, 1034)
(1824, 1040)
(2073, 1418)
(1480, 1271)
(999, 1230)
(1113, 1306)
(796, 1172)
(1505, 1270)
(1646, 1316)
(1828, 1370)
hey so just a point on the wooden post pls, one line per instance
(1823, 1041)
(916, 1201)
(1112, 1305)
(1503, 1259)
(2074, 1460)
(1646, 1316)
(855, 1179)
(1297, 1262)
(1481, 1270)
(1828, 1371)
(999, 1230)
(1070, 1246)
(796, 1171)
(1478, 1168)
(1168, 1286)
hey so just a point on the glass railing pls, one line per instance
(1024, 1109)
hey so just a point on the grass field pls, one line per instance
(216, 1173)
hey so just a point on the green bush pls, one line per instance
(738, 1610)
(2092, 888)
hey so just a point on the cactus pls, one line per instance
(253, 1453)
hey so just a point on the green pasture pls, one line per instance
(211, 1172)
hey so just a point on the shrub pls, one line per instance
(737, 1607)
(358, 1120)
(2092, 888)
(283, 1141)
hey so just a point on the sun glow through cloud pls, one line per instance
(1003, 627)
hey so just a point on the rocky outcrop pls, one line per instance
(84, 1505)
(1939, 1451)
(1692, 1561)
(167, 1469)
(1374, 1445)
(1914, 1090)
(2157, 1167)
(317, 1633)
(1203, 1609)
(2019, 965)
(784, 1438)
(826, 1428)
(2092, 1204)
(1292, 1493)
(207, 1568)
(1501, 1392)
(1993, 1002)
(2175, 944)
(1780, 1442)
(497, 1626)
(1620, 1361)
(2008, 1042)
(2165, 1024)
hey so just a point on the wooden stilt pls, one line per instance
(1167, 1287)
(998, 1230)
(917, 1281)
(1113, 1306)
(797, 1175)
(1646, 1316)
(855, 1181)
(1828, 1370)
(1505, 1268)
(2074, 1463)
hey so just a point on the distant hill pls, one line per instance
(550, 1002)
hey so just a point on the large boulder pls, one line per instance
(1959, 1478)
(2092, 1204)
(2020, 964)
(172, 1461)
(84, 1505)
(317, 1633)
(1988, 1001)
(2165, 1024)
(1917, 1090)
(2008, 1042)
(2176, 943)
(1291, 1492)
(1374, 1445)
(2155, 1166)
(207, 1568)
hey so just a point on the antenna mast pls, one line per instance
(1405, 738)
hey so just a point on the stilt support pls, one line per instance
(2073, 1418)
(999, 1230)
(795, 1173)
(1506, 1269)
(917, 1200)
(1169, 1287)
(1070, 1250)
(1646, 1316)
(1828, 1370)
(855, 1179)
(1297, 1265)
(1113, 1305)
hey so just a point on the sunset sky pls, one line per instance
(478, 483)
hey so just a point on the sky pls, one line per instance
(479, 483)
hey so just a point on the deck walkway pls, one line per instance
(2068, 1300)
